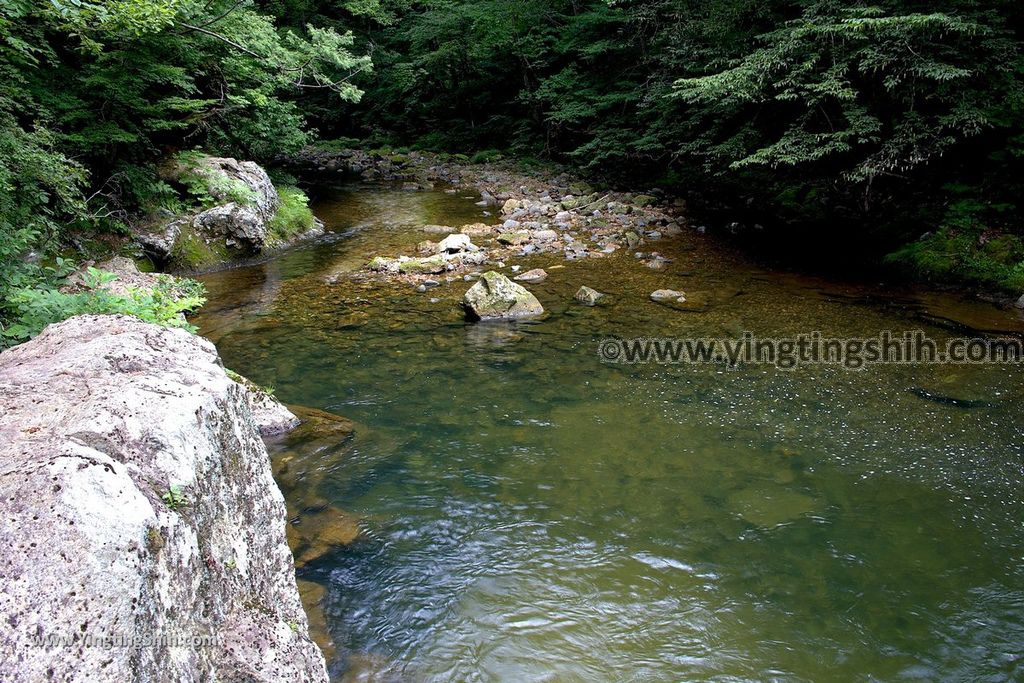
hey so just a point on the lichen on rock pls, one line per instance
(139, 507)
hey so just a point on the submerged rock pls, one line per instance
(138, 502)
(668, 295)
(438, 229)
(494, 296)
(587, 296)
(535, 275)
(316, 534)
(477, 230)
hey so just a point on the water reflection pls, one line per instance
(530, 513)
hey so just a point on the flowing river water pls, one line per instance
(528, 512)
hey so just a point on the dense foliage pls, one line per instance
(865, 123)
(95, 92)
(870, 123)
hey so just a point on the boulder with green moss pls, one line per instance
(234, 212)
(495, 297)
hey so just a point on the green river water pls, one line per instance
(531, 513)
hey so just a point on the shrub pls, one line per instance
(162, 305)
(293, 216)
(953, 255)
(486, 156)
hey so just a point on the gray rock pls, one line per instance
(102, 416)
(510, 224)
(545, 236)
(1020, 302)
(160, 242)
(469, 258)
(382, 264)
(270, 415)
(234, 221)
(228, 178)
(587, 296)
(494, 296)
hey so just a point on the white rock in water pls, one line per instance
(587, 296)
(667, 295)
(456, 243)
(137, 502)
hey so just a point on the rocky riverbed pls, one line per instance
(552, 214)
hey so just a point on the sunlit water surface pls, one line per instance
(530, 513)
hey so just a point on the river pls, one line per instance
(532, 513)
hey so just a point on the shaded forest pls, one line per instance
(890, 129)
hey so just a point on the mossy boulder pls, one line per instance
(430, 265)
(514, 238)
(495, 297)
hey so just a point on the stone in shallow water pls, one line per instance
(494, 296)
(535, 275)
(430, 265)
(770, 507)
(668, 295)
(587, 296)
(313, 535)
(514, 238)
(384, 265)
(438, 229)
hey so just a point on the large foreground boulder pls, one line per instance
(494, 296)
(144, 535)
